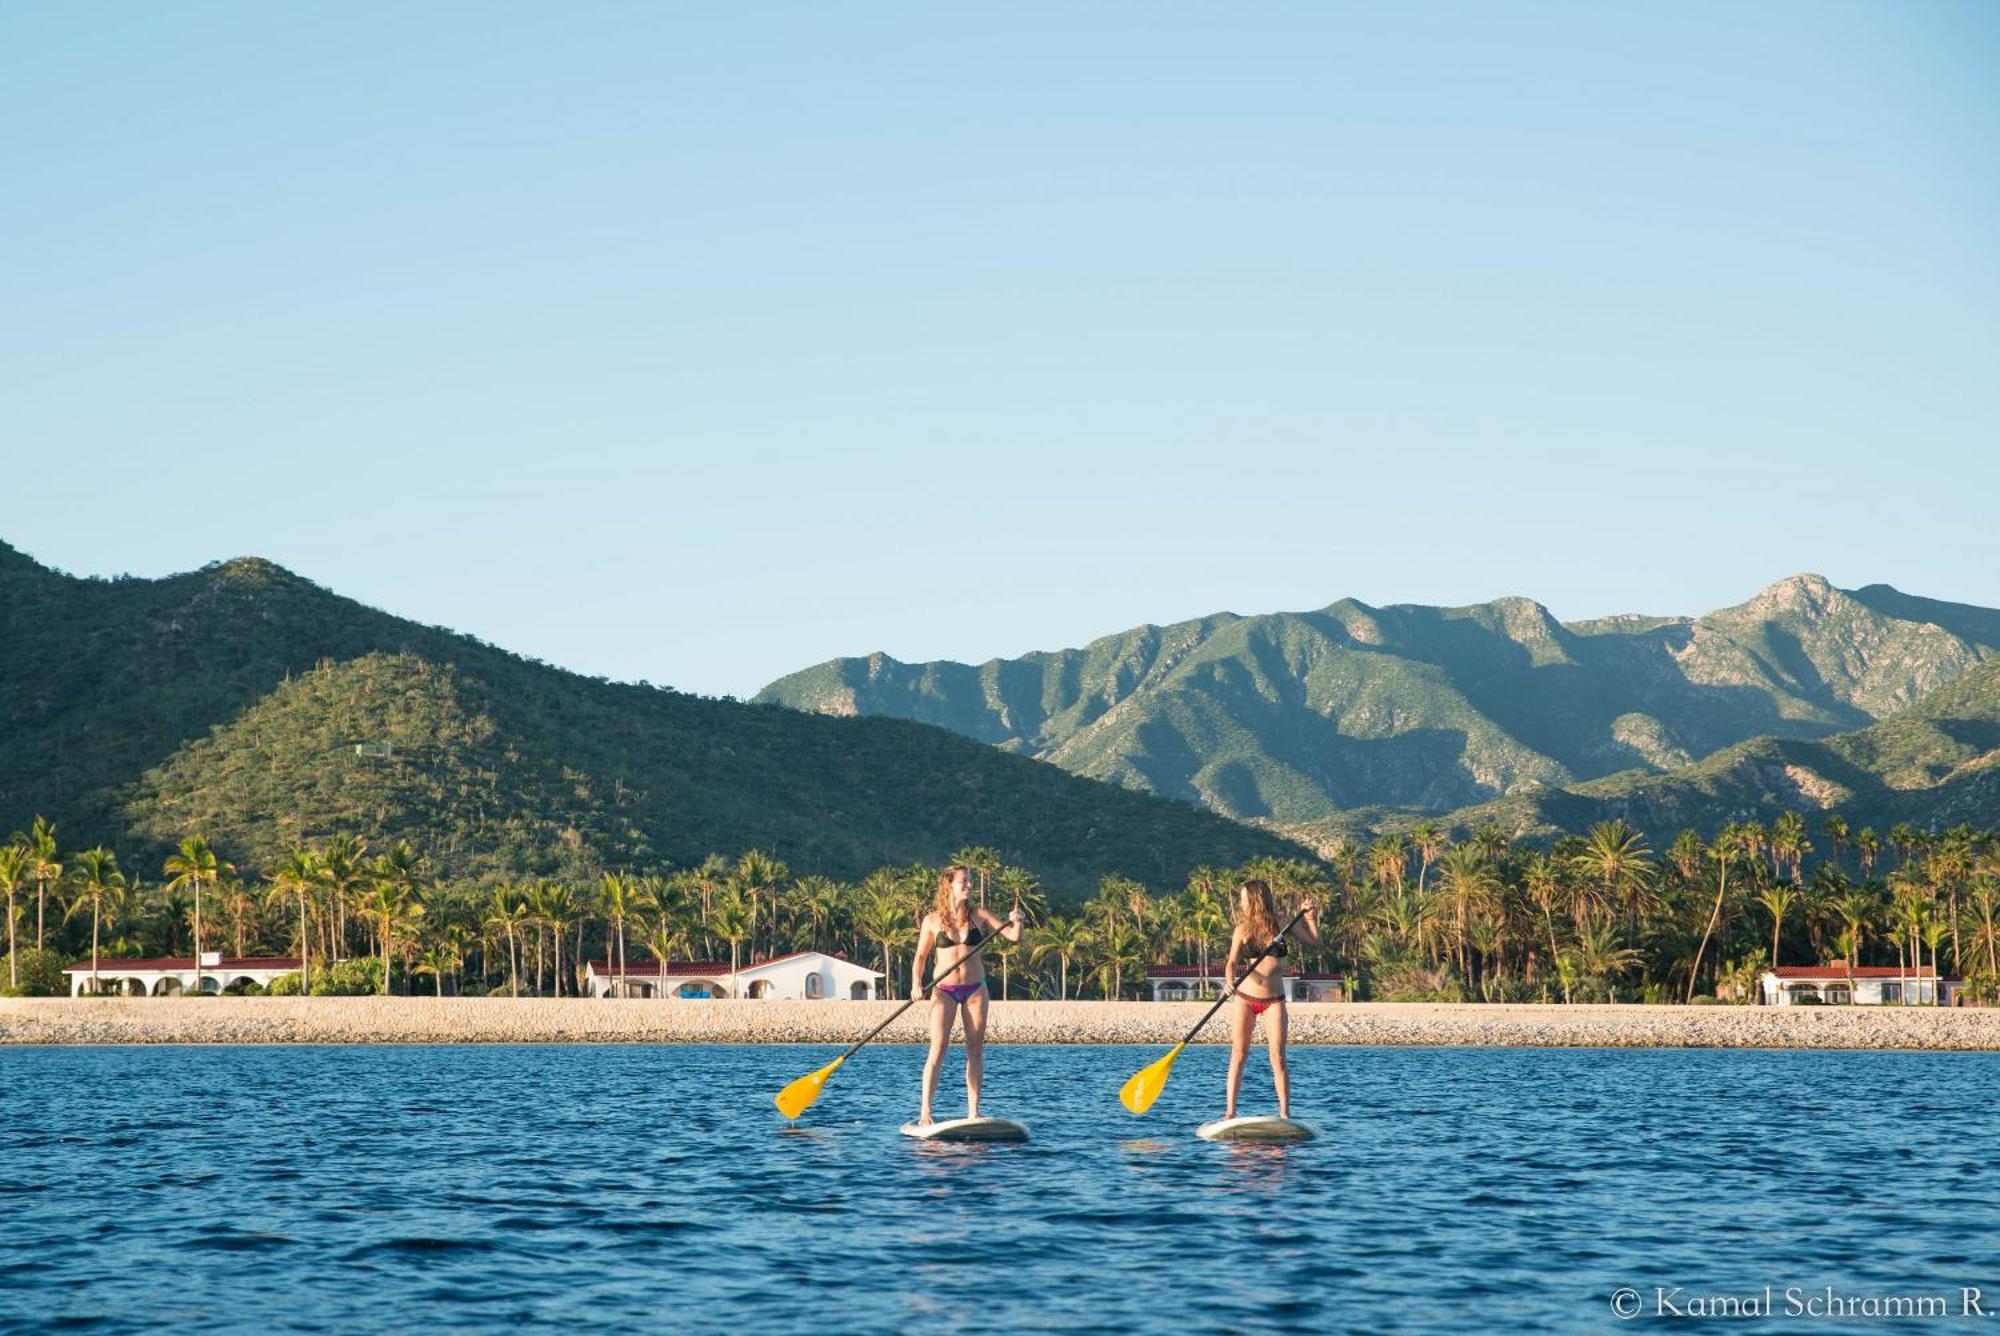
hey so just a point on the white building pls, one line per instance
(169, 976)
(1859, 985)
(1187, 983)
(801, 976)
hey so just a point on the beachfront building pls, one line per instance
(1858, 985)
(1188, 983)
(800, 976)
(170, 976)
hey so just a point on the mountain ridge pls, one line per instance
(226, 701)
(1289, 719)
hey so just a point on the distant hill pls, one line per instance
(231, 701)
(1298, 720)
(1934, 765)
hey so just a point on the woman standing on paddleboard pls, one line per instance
(1261, 992)
(953, 929)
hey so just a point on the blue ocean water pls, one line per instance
(360, 1189)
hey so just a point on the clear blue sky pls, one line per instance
(698, 343)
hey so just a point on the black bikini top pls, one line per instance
(974, 935)
(1275, 949)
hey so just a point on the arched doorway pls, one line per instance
(760, 989)
(859, 992)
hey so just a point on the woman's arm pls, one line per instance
(926, 939)
(1235, 950)
(1010, 927)
(1307, 928)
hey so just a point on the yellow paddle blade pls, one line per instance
(797, 1097)
(1147, 1083)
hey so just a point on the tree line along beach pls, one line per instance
(1479, 926)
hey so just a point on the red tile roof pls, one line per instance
(1803, 972)
(113, 964)
(635, 967)
(1215, 972)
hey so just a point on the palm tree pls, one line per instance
(1906, 840)
(509, 913)
(1777, 901)
(1388, 861)
(297, 875)
(816, 899)
(758, 876)
(619, 895)
(344, 873)
(238, 903)
(13, 877)
(668, 935)
(885, 919)
(1722, 853)
(390, 902)
(1471, 887)
(1117, 950)
(1836, 828)
(192, 865)
(1856, 913)
(44, 868)
(1063, 939)
(1542, 879)
(1867, 848)
(1934, 929)
(1598, 956)
(1426, 837)
(557, 910)
(734, 921)
(438, 960)
(1982, 911)
(1491, 841)
(1789, 844)
(1618, 859)
(98, 881)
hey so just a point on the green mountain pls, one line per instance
(253, 706)
(1295, 720)
(1934, 765)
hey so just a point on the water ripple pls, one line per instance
(375, 1189)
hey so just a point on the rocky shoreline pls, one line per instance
(499, 1020)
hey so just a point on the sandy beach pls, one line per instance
(419, 1020)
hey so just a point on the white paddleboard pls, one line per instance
(1256, 1128)
(969, 1129)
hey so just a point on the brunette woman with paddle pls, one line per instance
(1261, 991)
(954, 929)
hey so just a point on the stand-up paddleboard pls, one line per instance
(1257, 1128)
(969, 1129)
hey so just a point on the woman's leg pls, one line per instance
(1241, 1023)
(975, 1050)
(1276, 1031)
(943, 1011)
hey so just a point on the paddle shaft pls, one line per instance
(1210, 1013)
(971, 955)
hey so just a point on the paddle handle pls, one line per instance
(936, 979)
(1231, 991)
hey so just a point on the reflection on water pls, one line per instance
(381, 1188)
